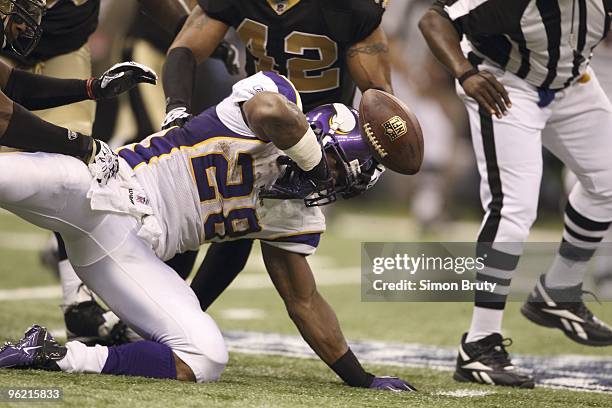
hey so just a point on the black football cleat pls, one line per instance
(37, 349)
(564, 309)
(90, 324)
(486, 361)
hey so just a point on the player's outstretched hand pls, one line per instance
(394, 384)
(488, 92)
(120, 78)
(104, 163)
(176, 117)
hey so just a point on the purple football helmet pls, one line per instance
(337, 128)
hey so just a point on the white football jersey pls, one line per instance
(202, 181)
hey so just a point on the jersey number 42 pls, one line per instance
(300, 71)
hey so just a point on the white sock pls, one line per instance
(83, 359)
(564, 273)
(73, 290)
(484, 322)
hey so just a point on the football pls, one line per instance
(392, 131)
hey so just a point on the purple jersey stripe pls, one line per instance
(284, 86)
(205, 126)
(307, 239)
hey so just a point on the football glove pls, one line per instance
(176, 117)
(120, 78)
(314, 187)
(394, 384)
(103, 163)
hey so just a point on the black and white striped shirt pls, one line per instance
(546, 42)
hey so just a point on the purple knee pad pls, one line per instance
(143, 359)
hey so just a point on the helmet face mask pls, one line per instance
(21, 20)
(346, 154)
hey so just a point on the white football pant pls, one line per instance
(49, 190)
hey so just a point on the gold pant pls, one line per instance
(74, 65)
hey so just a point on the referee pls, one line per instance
(524, 76)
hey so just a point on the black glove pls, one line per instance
(120, 78)
(176, 117)
(315, 187)
(228, 53)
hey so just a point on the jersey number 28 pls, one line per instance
(238, 221)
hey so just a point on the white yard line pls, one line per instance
(571, 372)
(247, 281)
(574, 372)
(39, 292)
(22, 241)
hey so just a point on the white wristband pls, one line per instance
(307, 152)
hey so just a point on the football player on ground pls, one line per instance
(217, 178)
(324, 48)
(524, 76)
(63, 53)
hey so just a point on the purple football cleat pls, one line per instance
(394, 384)
(37, 349)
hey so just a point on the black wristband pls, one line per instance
(179, 78)
(468, 74)
(350, 370)
(28, 132)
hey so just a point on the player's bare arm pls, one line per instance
(273, 118)
(313, 316)
(201, 34)
(368, 62)
(196, 41)
(444, 41)
(316, 320)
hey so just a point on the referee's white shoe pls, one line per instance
(564, 309)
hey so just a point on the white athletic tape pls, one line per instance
(307, 152)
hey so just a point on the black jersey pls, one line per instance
(305, 40)
(66, 28)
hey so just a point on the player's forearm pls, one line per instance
(41, 92)
(319, 326)
(369, 62)
(21, 129)
(195, 42)
(273, 118)
(179, 78)
(444, 41)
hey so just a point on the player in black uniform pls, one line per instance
(22, 91)
(324, 47)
